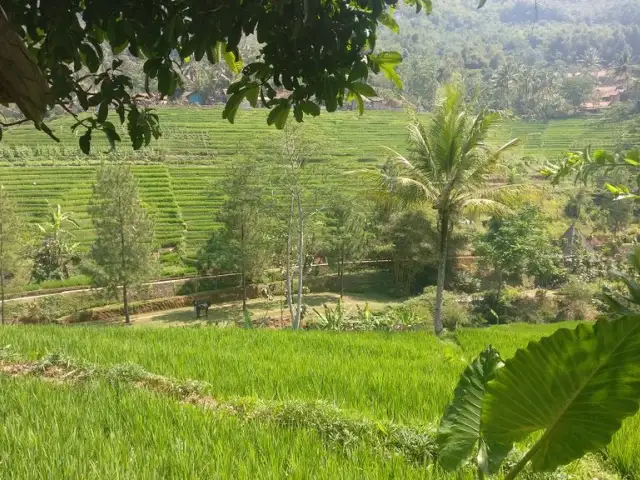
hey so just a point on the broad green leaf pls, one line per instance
(85, 142)
(231, 108)
(251, 93)
(112, 136)
(221, 52)
(460, 428)
(612, 188)
(600, 156)
(359, 71)
(166, 81)
(330, 94)
(103, 111)
(388, 21)
(575, 385)
(363, 89)
(278, 116)
(634, 156)
(388, 57)
(311, 108)
(356, 97)
(89, 57)
(387, 62)
(389, 71)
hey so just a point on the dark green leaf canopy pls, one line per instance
(308, 48)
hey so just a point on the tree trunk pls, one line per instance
(2, 293)
(442, 267)
(499, 293)
(341, 273)
(244, 291)
(300, 262)
(243, 271)
(125, 300)
(288, 275)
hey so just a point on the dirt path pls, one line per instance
(225, 313)
(69, 291)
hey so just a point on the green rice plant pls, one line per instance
(120, 432)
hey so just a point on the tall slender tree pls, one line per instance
(243, 244)
(347, 235)
(448, 167)
(11, 242)
(123, 249)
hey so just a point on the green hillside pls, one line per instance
(178, 173)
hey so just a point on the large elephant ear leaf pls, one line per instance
(575, 385)
(460, 428)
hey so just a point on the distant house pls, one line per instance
(571, 240)
(604, 97)
(195, 98)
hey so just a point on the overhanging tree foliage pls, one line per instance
(321, 52)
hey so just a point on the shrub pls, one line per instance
(576, 300)
(455, 309)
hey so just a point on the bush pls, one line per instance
(455, 309)
(465, 281)
(577, 300)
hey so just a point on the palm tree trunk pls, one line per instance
(442, 267)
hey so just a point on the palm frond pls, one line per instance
(474, 207)
(512, 194)
(409, 190)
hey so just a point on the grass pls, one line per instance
(402, 378)
(97, 430)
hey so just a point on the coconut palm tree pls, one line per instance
(448, 168)
(504, 80)
(623, 66)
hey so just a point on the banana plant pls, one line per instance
(332, 318)
(573, 388)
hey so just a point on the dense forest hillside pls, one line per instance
(518, 54)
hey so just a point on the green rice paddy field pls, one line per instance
(101, 428)
(178, 173)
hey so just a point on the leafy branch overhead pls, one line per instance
(319, 52)
(584, 165)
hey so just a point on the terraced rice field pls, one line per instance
(178, 173)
